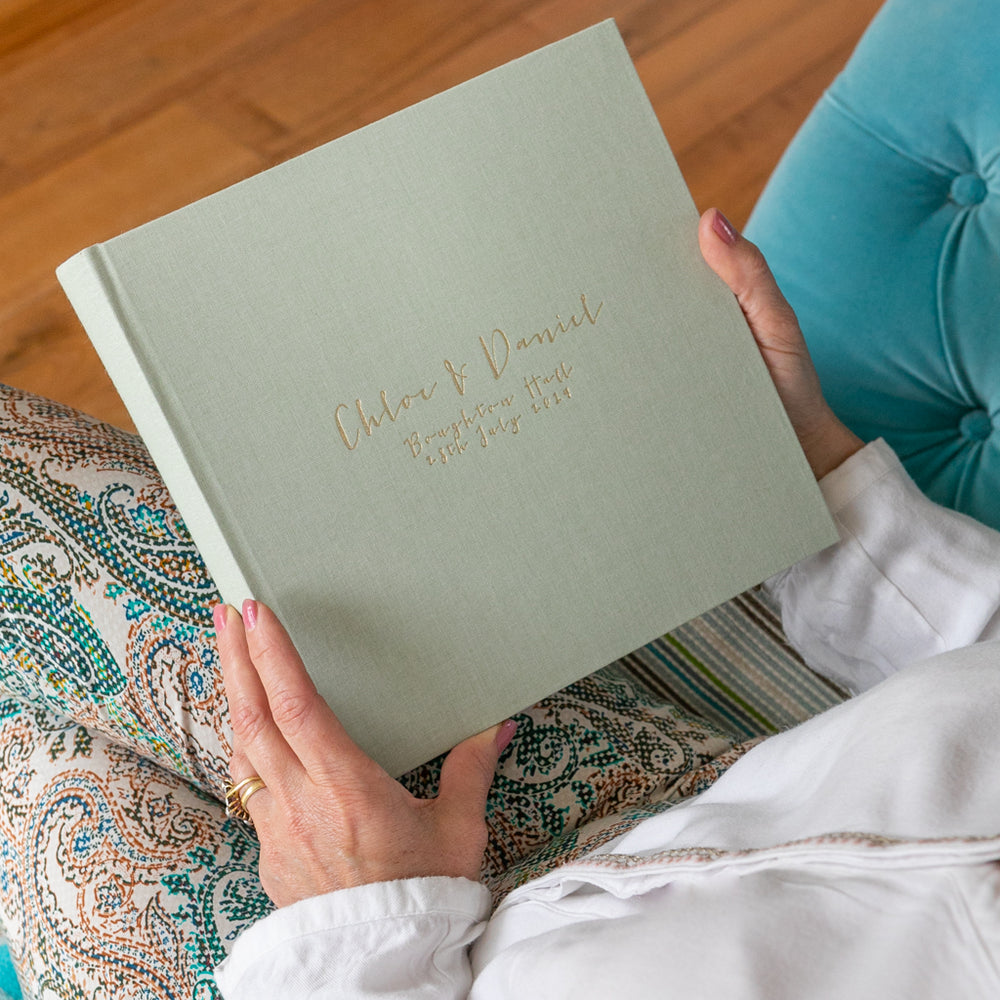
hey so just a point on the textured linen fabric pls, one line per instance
(852, 855)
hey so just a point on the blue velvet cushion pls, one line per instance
(882, 225)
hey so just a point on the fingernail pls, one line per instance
(506, 734)
(724, 229)
(250, 614)
(219, 617)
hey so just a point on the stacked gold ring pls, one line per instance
(239, 794)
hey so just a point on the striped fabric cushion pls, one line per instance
(734, 667)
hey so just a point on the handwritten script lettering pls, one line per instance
(346, 424)
(502, 427)
(489, 422)
(534, 383)
(454, 433)
(356, 420)
(497, 351)
(549, 334)
(458, 376)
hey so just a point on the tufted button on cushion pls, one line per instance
(976, 425)
(968, 190)
(882, 225)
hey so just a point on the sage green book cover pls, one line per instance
(458, 397)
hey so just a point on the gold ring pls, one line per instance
(239, 794)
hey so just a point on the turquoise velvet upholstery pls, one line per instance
(882, 225)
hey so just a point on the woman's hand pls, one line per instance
(824, 439)
(329, 816)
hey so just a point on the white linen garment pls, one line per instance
(855, 855)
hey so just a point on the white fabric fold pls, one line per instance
(385, 940)
(909, 578)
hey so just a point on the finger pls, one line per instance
(240, 793)
(468, 772)
(307, 723)
(743, 268)
(240, 767)
(771, 319)
(824, 439)
(255, 735)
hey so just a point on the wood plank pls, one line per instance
(115, 111)
(43, 350)
(645, 26)
(85, 86)
(24, 22)
(364, 63)
(730, 166)
(714, 70)
(509, 41)
(154, 167)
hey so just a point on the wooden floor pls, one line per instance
(113, 112)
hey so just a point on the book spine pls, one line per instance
(100, 303)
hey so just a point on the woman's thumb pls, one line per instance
(468, 770)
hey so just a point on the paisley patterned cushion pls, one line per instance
(120, 874)
(106, 607)
(118, 878)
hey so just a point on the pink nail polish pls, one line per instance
(506, 734)
(250, 614)
(724, 229)
(219, 617)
